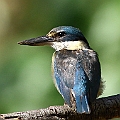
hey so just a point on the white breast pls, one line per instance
(69, 45)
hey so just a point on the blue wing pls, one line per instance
(72, 81)
(61, 85)
(81, 89)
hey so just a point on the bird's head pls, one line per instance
(63, 37)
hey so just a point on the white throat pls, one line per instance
(69, 45)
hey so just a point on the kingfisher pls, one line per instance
(75, 66)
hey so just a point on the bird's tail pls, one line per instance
(82, 104)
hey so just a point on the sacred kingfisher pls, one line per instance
(76, 67)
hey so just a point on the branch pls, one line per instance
(102, 109)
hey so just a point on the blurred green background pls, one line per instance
(25, 72)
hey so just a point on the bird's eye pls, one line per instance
(61, 34)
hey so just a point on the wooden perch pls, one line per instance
(102, 109)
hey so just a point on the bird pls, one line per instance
(75, 66)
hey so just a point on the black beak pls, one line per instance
(39, 41)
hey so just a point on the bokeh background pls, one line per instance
(25, 72)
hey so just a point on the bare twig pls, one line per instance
(102, 109)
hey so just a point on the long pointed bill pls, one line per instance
(39, 41)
